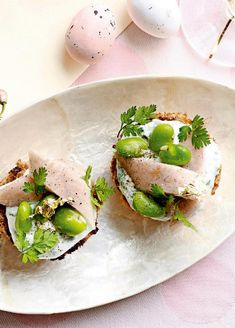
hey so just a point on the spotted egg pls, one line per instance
(159, 18)
(91, 34)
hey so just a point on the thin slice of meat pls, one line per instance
(197, 162)
(65, 180)
(11, 194)
(173, 179)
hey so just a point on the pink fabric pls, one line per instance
(203, 295)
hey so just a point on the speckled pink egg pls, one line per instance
(91, 34)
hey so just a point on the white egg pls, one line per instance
(159, 18)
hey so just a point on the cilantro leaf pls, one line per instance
(133, 118)
(200, 138)
(144, 114)
(43, 242)
(30, 256)
(181, 217)
(40, 176)
(126, 117)
(21, 242)
(171, 204)
(132, 130)
(170, 199)
(100, 192)
(184, 132)
(157, 191)
(102, 189)
(38, 235)
(200, 135)
(38, 185)
(28, 187)
(39, 189)
(87, 176)
(95, 202)
(197, 122)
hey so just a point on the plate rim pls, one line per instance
(116, 80)
(95, 84)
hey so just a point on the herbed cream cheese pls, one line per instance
(127, 188)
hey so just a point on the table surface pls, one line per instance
(201, 296)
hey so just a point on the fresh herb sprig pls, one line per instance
(200, 135)
(43, 242)
(158, 192)
(87, 176)
(171, 205)
(178, 215)
(100, 191)
(38, 184)
(133, 118)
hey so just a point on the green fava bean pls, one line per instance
(175, 155)
(131, 147)
(162, 135)
(23, 223)
(146, 206)
(69, 221)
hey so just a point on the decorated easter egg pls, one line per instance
(159, 18)
(91, 34)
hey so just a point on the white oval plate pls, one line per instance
(129, 254)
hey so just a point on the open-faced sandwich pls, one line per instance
(164, 160)
(49, 207)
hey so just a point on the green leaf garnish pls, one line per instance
(39, 189)
(87, 176)
(127, 117)
(102, 190)
(171, 204)
(184, 132)
(95, 201)
(200, 138)
(28, 187)
(38, 184)
(21, 242)
(44, 241)
(178, 215)
(30, 256)
(133, 118)
(40, 176)
(157, 191)
(144, 114)
(170, 199)
(200, 135)
(132, 130)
